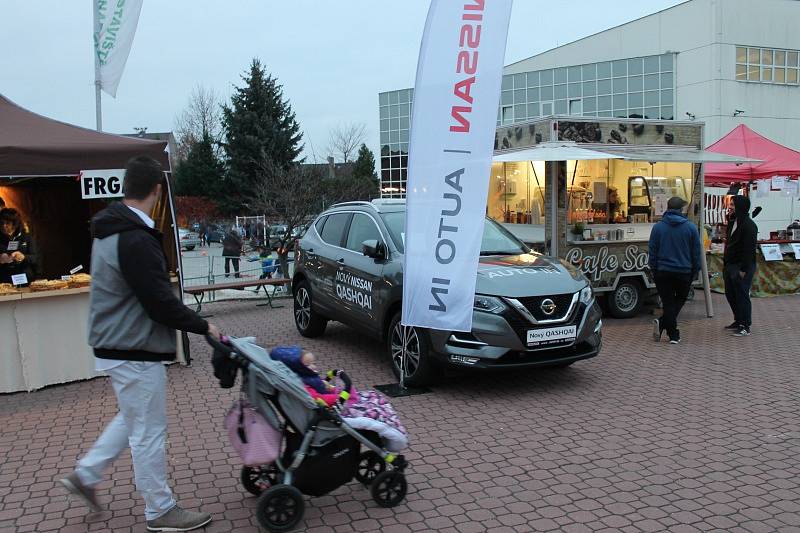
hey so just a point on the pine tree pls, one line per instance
(363, 183)
(201, 173)
(259, 125)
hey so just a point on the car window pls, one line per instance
(362, 228)
(496, 239)
(319, 223)
(333, 230)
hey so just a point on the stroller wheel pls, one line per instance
(257, 479)
(370, 464)
(389, 488)
(280, 508)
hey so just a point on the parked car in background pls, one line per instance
(530, 309)
(188, 239)
(276, 234)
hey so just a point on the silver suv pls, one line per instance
(530, 309)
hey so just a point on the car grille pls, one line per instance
(534, 305)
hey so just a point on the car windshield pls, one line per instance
(496, 239)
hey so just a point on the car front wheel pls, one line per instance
(410, 354)
(308, 322)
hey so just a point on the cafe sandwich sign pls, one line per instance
(603, 261)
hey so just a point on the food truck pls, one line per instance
(589, 190)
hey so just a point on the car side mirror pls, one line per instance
(374, 249)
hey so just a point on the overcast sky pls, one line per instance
(332, 57)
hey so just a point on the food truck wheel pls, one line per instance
(626, 300)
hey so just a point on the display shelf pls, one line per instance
(49, 294)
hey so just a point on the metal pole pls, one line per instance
(98, 107)
(554, 215)
(699, 182)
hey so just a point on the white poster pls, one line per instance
(796, 249)
(456, 95)
(772, 252)
(778, 182)
(102, 183)
(763, 189)
(114, 27)
(660, 201)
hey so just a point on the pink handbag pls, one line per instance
(253, 438)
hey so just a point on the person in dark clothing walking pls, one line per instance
(133, 318)
(674, 261)
(232, 250)
(740, 265)
(203, 230)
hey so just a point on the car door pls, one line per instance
(328, 254)
(359, 276)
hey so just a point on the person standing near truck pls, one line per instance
(674, 261)
(740, 265)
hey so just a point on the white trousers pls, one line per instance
(141, 424)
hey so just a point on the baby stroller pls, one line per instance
(320, 452)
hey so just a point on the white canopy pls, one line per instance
(552, 151)
(673, 154)
(564, 151)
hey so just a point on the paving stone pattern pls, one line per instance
(698, 437)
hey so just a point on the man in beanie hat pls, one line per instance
(740, 265)
(674, 261)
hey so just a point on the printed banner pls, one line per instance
(456, 96)
(114, 27)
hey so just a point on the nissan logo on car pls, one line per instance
(548, 306)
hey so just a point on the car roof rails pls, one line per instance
(389, 201)
(353, 204)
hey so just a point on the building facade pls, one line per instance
(724, 62)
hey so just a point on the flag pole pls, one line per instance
(98, 107)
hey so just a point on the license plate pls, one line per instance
(548, 336)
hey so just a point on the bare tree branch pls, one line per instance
(202, 115)
(345, 139)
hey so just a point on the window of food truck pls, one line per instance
(516, 193)
(620, 200)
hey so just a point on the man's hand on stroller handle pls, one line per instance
(213, 332)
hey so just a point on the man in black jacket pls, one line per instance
(740, 265)
(133, 318)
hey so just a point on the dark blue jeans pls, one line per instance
(673, 288)
(737, 291)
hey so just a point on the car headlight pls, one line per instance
(489, 304)
(586, 294)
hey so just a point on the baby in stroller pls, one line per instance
(367, 410)
(292, 444)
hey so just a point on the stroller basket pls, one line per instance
(321, 451)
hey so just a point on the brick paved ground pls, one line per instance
(700, 437)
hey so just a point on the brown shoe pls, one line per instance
(87, 494)
(177, 519)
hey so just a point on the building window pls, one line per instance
(767, 65)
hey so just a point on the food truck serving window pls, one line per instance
(604, 194)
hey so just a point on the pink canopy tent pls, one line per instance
(776, 159)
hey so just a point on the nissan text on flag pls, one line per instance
(431, 275)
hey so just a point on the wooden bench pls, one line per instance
(199, 291)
